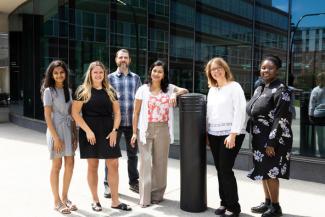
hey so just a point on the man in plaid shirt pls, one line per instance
(126, 83)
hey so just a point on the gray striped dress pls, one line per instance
(61, 120)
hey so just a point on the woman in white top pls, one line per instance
(153, 126)
(225, 125)
(316, 111)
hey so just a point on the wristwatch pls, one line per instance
(115, 129)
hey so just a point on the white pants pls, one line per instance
(153, 163)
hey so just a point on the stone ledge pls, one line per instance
(27, 122)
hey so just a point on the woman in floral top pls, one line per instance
(153, 128)
(270, 120)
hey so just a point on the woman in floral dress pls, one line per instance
(270, 125)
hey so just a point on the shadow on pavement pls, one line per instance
(172, 207)
(14, 132)
(134, 200)
(106, 213)
(86, 213)
(289, 215)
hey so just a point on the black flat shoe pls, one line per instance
(273, 212)
(135, 187)
(221, 210)
(122, 206)
(263, 207)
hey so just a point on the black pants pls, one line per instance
(224, 160)
(131, 153)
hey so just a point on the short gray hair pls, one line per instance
(123, 51)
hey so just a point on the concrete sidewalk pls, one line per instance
(25, 188)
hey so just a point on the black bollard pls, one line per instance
(192, 116)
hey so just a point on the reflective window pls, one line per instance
(4, 70)
(185, 34)
(307, 78)
(182, 14)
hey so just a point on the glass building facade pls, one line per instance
(184, 33)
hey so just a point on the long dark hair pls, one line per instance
(165, 81)
(49, 81)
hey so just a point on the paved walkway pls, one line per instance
(25, 189)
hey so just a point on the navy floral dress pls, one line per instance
(270, 125)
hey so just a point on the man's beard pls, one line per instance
(124, 65)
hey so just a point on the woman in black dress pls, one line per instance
(99, 123)
(270, 121)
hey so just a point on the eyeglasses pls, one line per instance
(218, 68)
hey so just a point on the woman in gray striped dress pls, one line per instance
(61, 131)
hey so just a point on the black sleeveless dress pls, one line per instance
(98, 114)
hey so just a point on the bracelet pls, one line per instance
(115, 130)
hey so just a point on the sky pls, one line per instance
(302, 7)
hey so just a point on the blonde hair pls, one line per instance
(221, 62)
(84, 90)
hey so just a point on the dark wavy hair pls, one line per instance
(274, 59)
(165, 81)
(49, 81)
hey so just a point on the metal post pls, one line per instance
(192, 116)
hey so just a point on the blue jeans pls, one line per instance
(131, 153)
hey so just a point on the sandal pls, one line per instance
(71, 206)
(96, 206)
(61, 208)
(122, 206)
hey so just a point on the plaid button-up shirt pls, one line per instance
(126, 87)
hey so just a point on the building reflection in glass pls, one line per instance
(184, 33)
